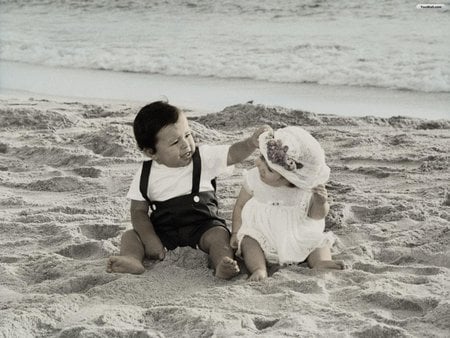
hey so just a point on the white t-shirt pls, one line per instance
(166, 182)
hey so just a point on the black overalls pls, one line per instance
(182, 220)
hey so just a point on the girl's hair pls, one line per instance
(150, 120)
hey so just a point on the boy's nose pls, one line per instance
(184, 144)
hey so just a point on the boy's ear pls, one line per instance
(149, 152)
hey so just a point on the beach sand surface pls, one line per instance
(65, 168)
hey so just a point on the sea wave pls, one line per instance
(321, 42)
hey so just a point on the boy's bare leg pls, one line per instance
(320, 258)
(131, 255)
(254, 258)
(216, 243)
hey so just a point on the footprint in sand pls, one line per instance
(90, 250)
(380, 330)
(82, 284)
(91, 172)
(403, 306)
(309, 286)
(58, 184)
(70, 285)
(100, 231)
(262, 323)
(362, 214)
(94, 330)
(414, 270)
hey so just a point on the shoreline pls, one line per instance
(208, 95)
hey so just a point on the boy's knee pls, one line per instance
(216, 235)
(130, 235)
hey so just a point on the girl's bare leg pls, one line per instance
(320, 258)
(216, 243)
(131, 255)
(254, 259)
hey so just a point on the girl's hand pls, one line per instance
(259, 131)
(234, 241)
(320, 194)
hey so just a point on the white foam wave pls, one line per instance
(313, 43)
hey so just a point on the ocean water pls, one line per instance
(366, 43)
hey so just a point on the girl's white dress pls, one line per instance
(277, 218)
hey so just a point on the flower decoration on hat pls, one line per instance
(277, 154)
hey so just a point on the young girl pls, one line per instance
(279, 214)
(173, 201)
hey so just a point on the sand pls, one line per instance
(65, 169)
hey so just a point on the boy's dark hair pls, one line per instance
(150, 120)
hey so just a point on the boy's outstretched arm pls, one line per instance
(239, 151)
(144, 227)
(236, 218)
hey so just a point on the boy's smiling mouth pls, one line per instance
(187, 155)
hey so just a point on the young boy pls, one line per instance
(178, 186)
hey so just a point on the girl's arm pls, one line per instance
(242, 199)
(239, 151)
(319, 206)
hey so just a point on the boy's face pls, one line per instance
(175, 144)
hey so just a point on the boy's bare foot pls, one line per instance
(258, 275)
(227, 268)
(338, 265)
(124, 264)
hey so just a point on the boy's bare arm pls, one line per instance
(153, 247)
(319, 205)
(236, 218)
(140, 219)
(239, 151)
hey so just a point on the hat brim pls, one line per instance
(307, 177)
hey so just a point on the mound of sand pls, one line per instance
(65, 169)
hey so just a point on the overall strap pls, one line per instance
(145, 175)
(196, 172)
(197, 168)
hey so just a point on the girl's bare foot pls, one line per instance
(124, 264)
(227, 268)
(338, 265)
(258, 275)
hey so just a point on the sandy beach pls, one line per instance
(65, 169)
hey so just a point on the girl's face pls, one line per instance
(268, 175)
(175, 144)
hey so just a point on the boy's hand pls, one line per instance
(154, 248)
(234, 241)
(320, 194)
(259, 131)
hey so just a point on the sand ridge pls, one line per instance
(65, 168)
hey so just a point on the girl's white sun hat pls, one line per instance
(296, 155)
